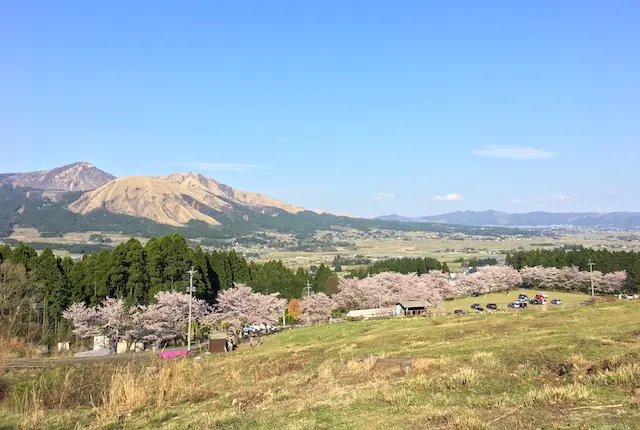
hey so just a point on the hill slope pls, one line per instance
(78, 176)
(553, 369)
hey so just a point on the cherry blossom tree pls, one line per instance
(316, 308)
(239, 305)
(114, 317)
(167, 318)
(572, 279)
(85, 322)
(388, 288)
(488, 279)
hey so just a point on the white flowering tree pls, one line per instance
(572, 279)
(487, 280)
(316, 308)
(388, 288)
(240, 305)
(167, 318)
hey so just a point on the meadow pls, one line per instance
(572, 367)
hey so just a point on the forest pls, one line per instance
(403, 265)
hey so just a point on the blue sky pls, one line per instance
(364, 108)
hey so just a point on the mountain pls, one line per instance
(175, 199)
(622, 220)
(79, 176)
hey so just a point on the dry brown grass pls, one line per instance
(485, 359)
(551, 395)
(624, 374)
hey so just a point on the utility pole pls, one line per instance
(593, 294)
(308, 288)
(191, 272)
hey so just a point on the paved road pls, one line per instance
(35, 363)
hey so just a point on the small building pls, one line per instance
(410, 308)
(365, 314)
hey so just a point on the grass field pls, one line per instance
(575, 367)
(502, 300)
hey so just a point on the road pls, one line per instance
(48, 362)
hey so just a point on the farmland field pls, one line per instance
(575, 367)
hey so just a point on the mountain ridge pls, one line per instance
(528, 219)
(78, 176)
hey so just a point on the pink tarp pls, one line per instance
(178, 353)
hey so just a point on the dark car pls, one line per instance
(458, 312)
(535, 302)
(475, 294)
(475, 306)
(492, 306)
(480, 309)
(523, 297)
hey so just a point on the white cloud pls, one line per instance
(283, 139)
(448, 197)
(382, 196)
(515, 201)
(222, 167)
(612, 193)
(513, 152)
(561, 198)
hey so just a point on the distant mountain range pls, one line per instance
(623, 220)
(81, 197)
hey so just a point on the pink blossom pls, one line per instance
(316, 308)
(239, 305)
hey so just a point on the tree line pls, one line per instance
(603, 260)
(403, 265)
(136, 273)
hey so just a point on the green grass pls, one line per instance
(529, 369)
(502, 300)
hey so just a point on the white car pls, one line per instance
(556, 302)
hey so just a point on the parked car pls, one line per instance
(513, 305)
(556, 302)
(536, 302)
(475, 306)
(492, 306)
(458, 312)
(480, 309)
(521, 303)
(475, 294)
(523, 297)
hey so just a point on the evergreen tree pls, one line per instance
(50, 279)
(25, 255)
(118, 271)
(155, 265)
(5, 252)
(138, 285)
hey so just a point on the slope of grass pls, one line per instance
(574, 367)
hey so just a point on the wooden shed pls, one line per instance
(217, 342)
(410, 308)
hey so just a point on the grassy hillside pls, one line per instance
(502, 300)
(576, 367)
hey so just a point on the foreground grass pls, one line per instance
(512, 370)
